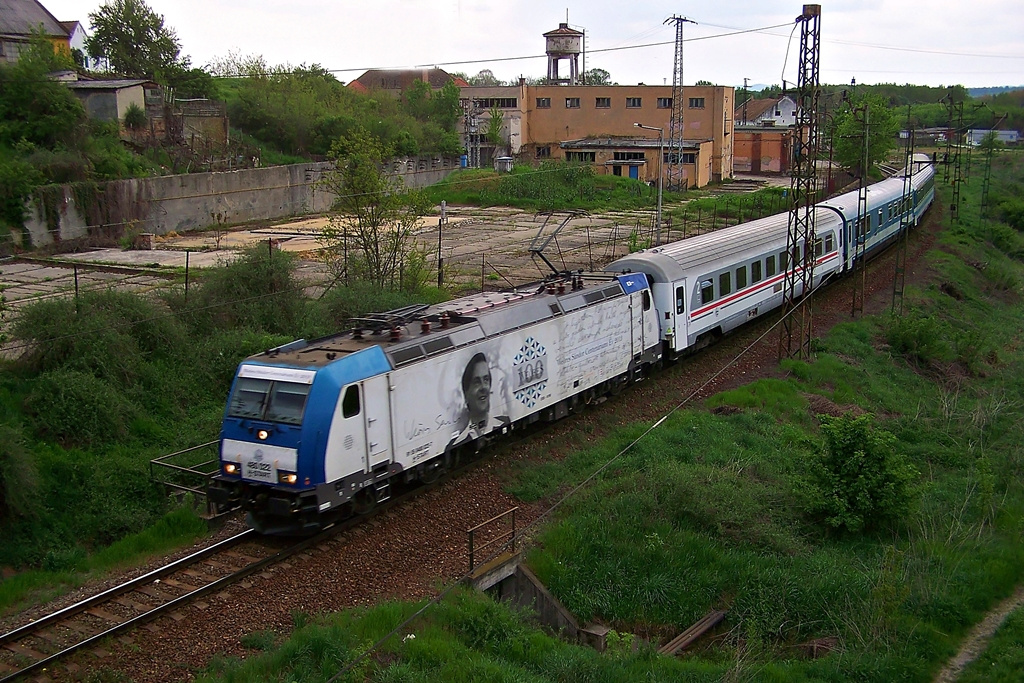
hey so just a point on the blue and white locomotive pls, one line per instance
(315, 430)
(323, 428)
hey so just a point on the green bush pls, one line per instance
(109, 334)
(860, 481)
(19, 477)
(71, 406)
(918, 338)
(258, 292)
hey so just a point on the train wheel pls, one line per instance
(432, 471)
(364, 501)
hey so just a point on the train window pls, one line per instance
(741, 277)
(725, 283)
(263, 399)
(681, 298)
(250, 397)
(647, 299)
(769, 265)
(707, 291)
(819, 247)
(755, 271)
(783, 260)
(350, 402)
(287, 402)
(880, 220)
(830, 242)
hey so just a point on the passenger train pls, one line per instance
(322, 429)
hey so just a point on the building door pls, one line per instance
(634, 172)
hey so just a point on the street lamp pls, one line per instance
(661, 175)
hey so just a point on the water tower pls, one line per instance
(564, 43)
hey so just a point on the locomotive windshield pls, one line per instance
(264, 399)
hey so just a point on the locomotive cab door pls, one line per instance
(377, 417)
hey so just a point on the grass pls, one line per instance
(467, 638)
(116, 379)
(720, 508)
(551, 186)
(178, 527)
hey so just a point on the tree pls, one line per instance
(848, 132)
(494, 124)
(133, 38)
(485, 77)
(34, 109)
(373, 215)
(597, 77)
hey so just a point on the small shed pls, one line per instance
(503, 164)
(109, 100)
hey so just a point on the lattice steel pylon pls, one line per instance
(674, 145)
(861, 227)
(797, 327)
(907, 217)
(958, 178)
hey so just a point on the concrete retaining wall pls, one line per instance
(196, 201)
(524, 589)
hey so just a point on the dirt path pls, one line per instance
(977, 639)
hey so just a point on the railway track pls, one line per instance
(48, 640)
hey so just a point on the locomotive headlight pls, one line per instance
(230, 468)
(287, 477)
(262, 434)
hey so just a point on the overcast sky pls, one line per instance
(928, 42)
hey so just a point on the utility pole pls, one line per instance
(746, 98)
(676, 171)
(797, 324)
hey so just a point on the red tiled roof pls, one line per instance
(755, 108)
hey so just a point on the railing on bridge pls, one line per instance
(188, 471)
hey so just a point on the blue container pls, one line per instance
(464, 161)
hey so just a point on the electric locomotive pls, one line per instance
(316, 430)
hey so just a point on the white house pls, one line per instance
(776, 112)
(1007, 137)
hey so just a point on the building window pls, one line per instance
(633, 102)
(696, 103)
(581, 156)
(499, 102)
(689, 158)
(628, 156)
(572, 103)
(664, 103)
(543, 103)
(544, 152)
(603, 103)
